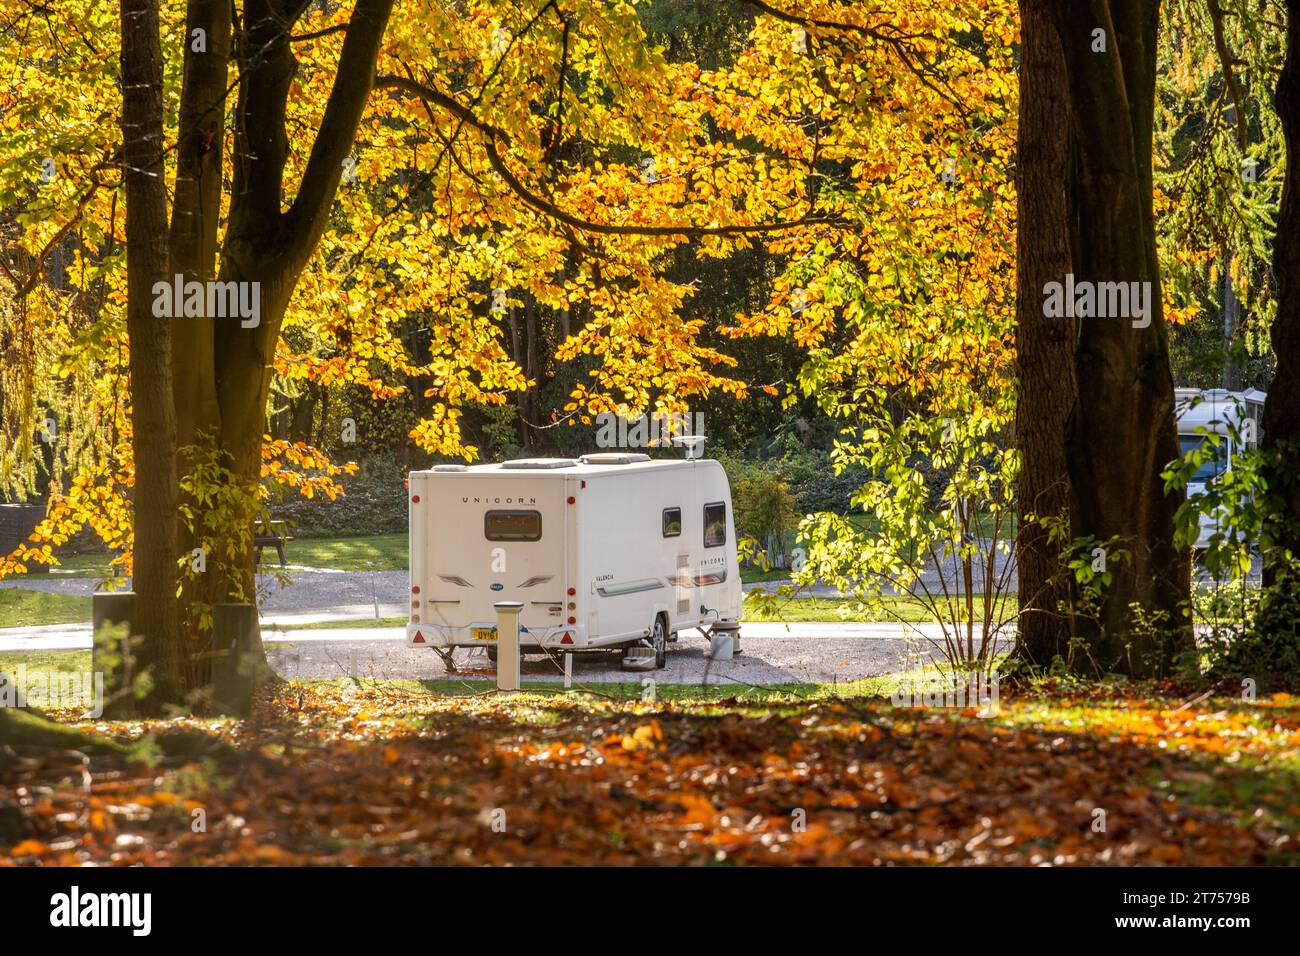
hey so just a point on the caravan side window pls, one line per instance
(672, 522)
(513, 525)
(715, 524)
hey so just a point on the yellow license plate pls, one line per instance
(485, 633)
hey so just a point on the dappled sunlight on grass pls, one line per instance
(20, 607)
(380, 552)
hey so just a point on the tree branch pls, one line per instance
(317, 34)
(25, 284)
(1229, 75)
(492, 135)
(309, 213)
(897, 42)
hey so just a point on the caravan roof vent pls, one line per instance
(614, 458)
(449, 468)
(528, 463)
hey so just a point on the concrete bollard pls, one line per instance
(239, 659)
(109, 656)
(508, 644)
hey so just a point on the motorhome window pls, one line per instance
(513, 525)
(715, 524)
(672, 522)
(1211, 468)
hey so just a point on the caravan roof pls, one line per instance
(598, 464)
(1214, 408)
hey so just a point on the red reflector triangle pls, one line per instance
(566, 639)
(418, 639)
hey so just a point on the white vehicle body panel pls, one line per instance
(1215, 411)
(600, 534)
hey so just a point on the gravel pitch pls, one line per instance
(794, 657)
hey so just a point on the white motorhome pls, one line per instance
(1216, 411)
(610, 550)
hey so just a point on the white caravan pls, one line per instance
(611, 550)
(1215, 411)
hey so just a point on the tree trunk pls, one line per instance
(153, 411)
(1122, 431)
(528, 399)
(1044, 346)
(197, 203)
(271, 247)
(301, 415)
(221, 369)
(1234, 374)
(517, 354)
(194, 225)
(1281, 424)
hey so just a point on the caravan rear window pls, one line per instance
(715, 524)
(672, 522)
(1211, 468)
(513, 525)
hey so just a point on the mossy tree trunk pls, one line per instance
(1122, 432)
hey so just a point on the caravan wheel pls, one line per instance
(659, 641)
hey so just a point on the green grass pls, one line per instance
(377, 552)
(767, 695)
(819, 610)
(78, 661)
(22, 608)
(346, 622)
(75, 566)
(758, 575)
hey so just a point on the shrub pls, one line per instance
(373, 502)
(1267, 650)
(765, 511)
(829, 492)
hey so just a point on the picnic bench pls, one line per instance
(270, 533)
